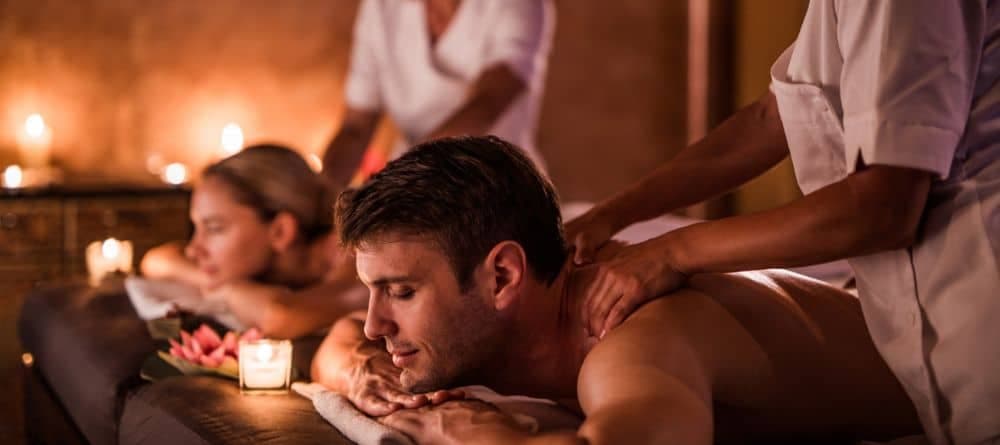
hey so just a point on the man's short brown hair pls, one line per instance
(467, 194)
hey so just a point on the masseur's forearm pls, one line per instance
(747, 144)
(494, 91)
(344, 154)
(872, 210)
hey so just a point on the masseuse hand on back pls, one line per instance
(635, 275)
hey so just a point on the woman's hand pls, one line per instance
(588, 232)
(457, 422)
(638, 273)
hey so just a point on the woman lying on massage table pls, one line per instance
(471, 283)
(262, 246)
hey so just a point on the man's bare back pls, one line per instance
(761, 355)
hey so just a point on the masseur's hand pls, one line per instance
(373, 385)
(637, 274)
(457, 422)
(588, 232)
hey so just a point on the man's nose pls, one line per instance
(378, 323)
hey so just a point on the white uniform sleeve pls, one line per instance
(907, 80)
(519, 36)
(361, 90)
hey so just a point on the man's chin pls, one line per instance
(419, 383)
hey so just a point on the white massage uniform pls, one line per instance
(914, 83)
(395, 69)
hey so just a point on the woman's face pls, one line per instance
(230, 241)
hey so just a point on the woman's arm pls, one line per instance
(167, 262)
(281, 312)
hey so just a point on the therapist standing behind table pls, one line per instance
(441, 68)
(890, 111)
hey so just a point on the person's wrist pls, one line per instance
(675, 253)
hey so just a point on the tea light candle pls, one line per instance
(175, 173)
(35, 141)
(265, 366)
(108, 256)
(12, 177)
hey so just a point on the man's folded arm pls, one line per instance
(329, 365)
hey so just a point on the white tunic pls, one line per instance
(395, 69)
(914, 83)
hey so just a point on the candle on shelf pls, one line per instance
(174, 173)
(265, 366)
(12, 177)
(232, 139)
(107, 257)
(35, 141)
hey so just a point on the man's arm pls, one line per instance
(360, 369)
(343, 155)
(493, 91)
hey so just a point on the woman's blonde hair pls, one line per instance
(273, 179)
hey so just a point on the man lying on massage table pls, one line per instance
(460, 243)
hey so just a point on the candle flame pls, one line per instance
(12, 176)
(34, 126)
(110, 248)
(232, 139)
(265, 352)
(175, 173)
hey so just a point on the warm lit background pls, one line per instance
(124, 83)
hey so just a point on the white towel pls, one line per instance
(152, 299)
(364, 430)
(353, 424)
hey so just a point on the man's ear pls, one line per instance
(507, 268)
(283, 231)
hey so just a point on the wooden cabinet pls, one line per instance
(43, 234)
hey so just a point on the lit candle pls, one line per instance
(35, 141)
(232, 139)
(175, 173)
(265, 366)
(12, 177)
(106, 257)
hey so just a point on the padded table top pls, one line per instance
(210, 410)
(89, 345)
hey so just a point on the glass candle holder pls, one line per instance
(108, 257)
(265, 366)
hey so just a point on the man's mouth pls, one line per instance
(403, 358)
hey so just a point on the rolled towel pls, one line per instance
(529, 412)
(153, 299)
(352, 423)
